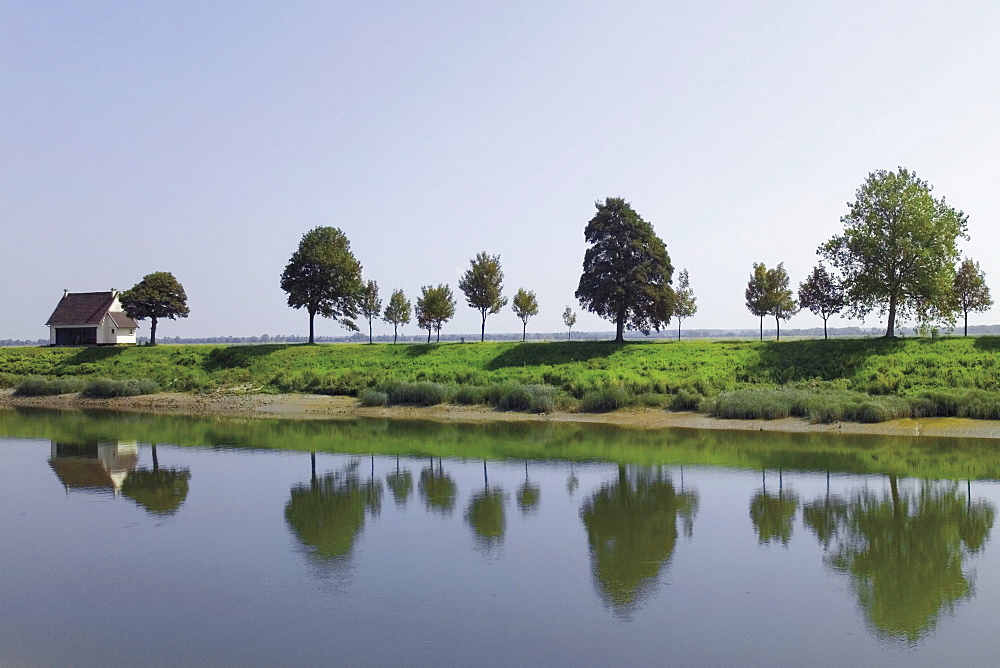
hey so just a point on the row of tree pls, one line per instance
(897, 255)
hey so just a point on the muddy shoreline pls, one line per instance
(319, 407)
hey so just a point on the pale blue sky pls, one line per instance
(204, 138)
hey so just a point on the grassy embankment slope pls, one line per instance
(847, 379)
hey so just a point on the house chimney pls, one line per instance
(65, 292)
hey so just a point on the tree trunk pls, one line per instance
(156, 462)
(438, 335)
(482, 331)
(678, 329)
(152, 332)
(312, 316)
(370, 332)
(966, 323)
(620, 326)
(524, 332)
(761, 328)
(428, 335)
(890, 330)
(569, 334)
(825, 337)
(395, 332)
(777, 328)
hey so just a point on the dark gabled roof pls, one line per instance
(82, 308)
(121, 320)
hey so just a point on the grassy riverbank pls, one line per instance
(847, 379)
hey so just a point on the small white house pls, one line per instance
(91, 319)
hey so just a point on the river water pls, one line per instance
(166, 541)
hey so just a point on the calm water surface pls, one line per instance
(174, 541)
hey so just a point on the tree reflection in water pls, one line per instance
(903, 551)
(329, 512)
(486, 514)
(528, 494)
(632, 530)
(401, 484)
(772, 515)
(158, 491)
(437, 489)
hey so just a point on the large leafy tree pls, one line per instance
(525, 306)
(435, 306)
(397, 312)
(157, 295)
(324, 277)
(482, 284)
(369, 305)
(569, 319)
(898, 249)
(685, 304)
(822, 294)
(626, 271)
(971, 291)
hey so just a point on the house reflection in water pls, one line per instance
(94, 467)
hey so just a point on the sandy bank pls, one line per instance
(318, 407)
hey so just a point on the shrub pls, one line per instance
(527, 398)
(470, 395)
(686, 400)
(373, 397)
(105, 388)
(605, 400)
(38, 386)
(421, 393)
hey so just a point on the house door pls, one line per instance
(76, 336)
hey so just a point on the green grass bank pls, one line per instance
(864, 380)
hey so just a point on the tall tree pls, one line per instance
(756, 294)
(157, 295)
(525, 306)
(569, 319)
(324, 277)
(822, 294)
(370, 305)
(782, 303)
(482, 284)
(898, 249)
(397, 312)
(626, 271)
(435, 306)
(971, 291)
(685, 303)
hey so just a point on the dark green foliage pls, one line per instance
(397, 312)
(157, 295)
(324, 277)
(525, 307)
(626, 270)
(970, 291)
(435, 306)
(822, 294)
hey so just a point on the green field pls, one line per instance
(812, 378)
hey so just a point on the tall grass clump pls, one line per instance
(372, 397)
(39, 386)
(421, 393)
(606, 399)
(526, 398)
(106, 388)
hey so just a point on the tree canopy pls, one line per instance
(157, 295)
(822, 294)
(970, 290)
(324, 277)
(626, 270)
(685, 304)
(397, 312)
(482, 284)
(767, 293)
(898, 249)
(435, 306)
(525, 306)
